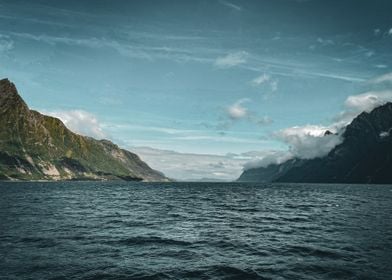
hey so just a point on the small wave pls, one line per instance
(148, 240)
(315, 252)
(39, 242)
(231, 272)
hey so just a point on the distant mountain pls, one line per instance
(38, 147)
(269, 173)
(365, 156)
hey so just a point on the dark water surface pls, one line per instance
(112, 230)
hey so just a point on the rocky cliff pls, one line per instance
(38, 147)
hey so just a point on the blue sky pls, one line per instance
(175, 79)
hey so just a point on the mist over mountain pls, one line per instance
(38, 147)
(364, 156)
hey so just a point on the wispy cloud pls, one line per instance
(126, 49)
(367, 101)
(294, 69)
(382, 79)
(151, 50)
(231, 5)
(267, 83)
(6, 44)
(231, 59)
(262, 79)
(325, 42)
(381, 66)
(175, 135)
(150, 128)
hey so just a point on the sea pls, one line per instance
(126, 230)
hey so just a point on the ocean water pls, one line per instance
(114, 230)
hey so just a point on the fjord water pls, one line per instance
(114, 230)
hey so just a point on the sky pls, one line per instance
(201, 89)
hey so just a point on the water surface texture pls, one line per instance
(94, 230)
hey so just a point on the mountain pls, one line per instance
(364, 156)
(38, 147)
(269, 173)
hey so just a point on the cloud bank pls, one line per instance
(193, 167)
(311, 141)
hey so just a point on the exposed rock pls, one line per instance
(38, 147)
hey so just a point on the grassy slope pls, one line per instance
(34, 142)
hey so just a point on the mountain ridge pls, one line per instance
(364, 156)
(34, 146)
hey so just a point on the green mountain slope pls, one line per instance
(38, 147)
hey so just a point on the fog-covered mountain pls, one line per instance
(364, 156)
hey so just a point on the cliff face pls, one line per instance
(38, 147)
(365, 156)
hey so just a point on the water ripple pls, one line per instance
(106, 230)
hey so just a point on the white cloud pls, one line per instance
(384, 134)
(367, 101)
(81, 122)
(238, 110)
(191, 167)
(304, 142)
(390, 32)
(231, 5)
(325, 42)
(262, 79)
(382, 79)
(309, 141)
(231, 59)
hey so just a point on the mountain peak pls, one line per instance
(7, 87)
(9, 96)
(328, 132)
(38, 147)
